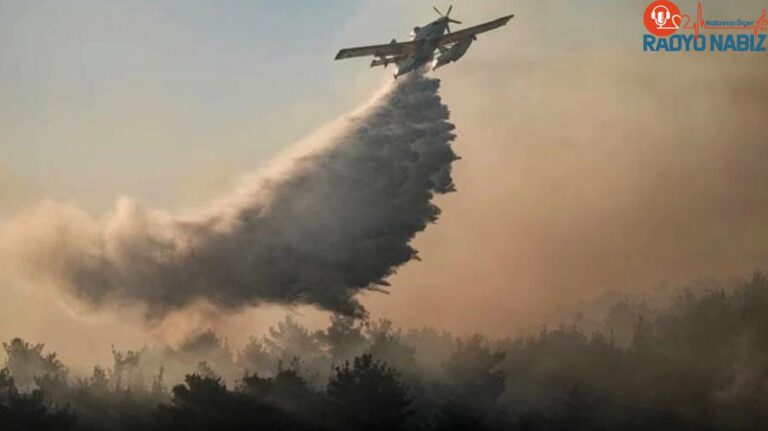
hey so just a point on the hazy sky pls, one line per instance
(587, 165)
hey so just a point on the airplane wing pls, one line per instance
(396, 48)
(471, 31)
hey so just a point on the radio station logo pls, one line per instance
(662, 18)
(671, 30)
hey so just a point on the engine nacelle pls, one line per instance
(453, 53)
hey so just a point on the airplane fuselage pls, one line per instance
(428, 36)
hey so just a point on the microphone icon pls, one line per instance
(660, 14)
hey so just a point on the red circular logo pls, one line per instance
(662, 18)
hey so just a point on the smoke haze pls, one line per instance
(591, 167)
(588, 165)
(334, 218)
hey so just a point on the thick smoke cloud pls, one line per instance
(336, 219)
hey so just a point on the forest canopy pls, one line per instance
(696, 360)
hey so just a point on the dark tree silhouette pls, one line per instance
(289, 392)
(29, 412)
(697, 360)
(368, 395)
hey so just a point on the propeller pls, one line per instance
(446, 17)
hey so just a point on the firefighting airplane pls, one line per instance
(428, 44)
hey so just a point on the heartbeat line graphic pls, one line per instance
(760, 24)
